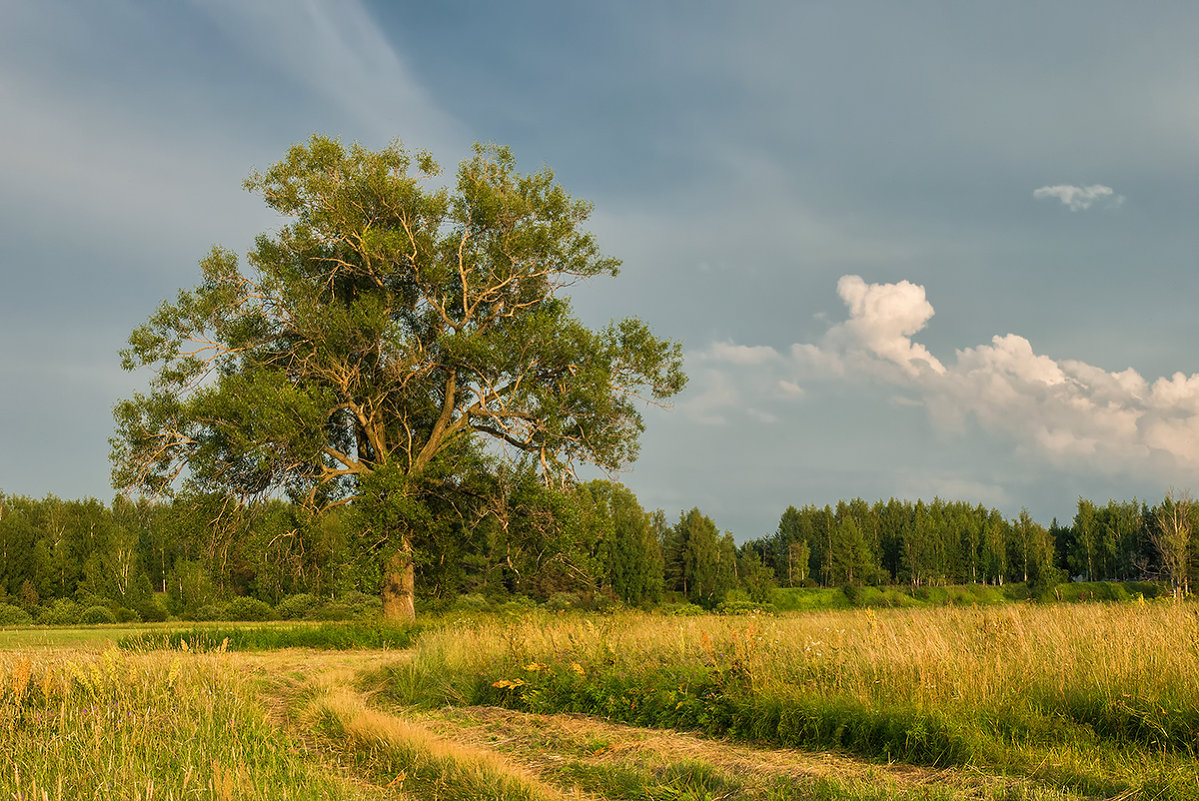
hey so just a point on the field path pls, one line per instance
(561, 756)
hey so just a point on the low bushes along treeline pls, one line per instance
(203, 557)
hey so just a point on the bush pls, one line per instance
(562, 600)
(296, 607)
(14, 616)
(96, 614)
(208, 612)
(605, 601)
(87, 599)
(808, 599)
(361, 604)
(151, 609)
(62, 612)
(683, 609)
(518, 605)
(335, 611)
(1146, 589)
(248, 609)
(744, 608)
(471, 602)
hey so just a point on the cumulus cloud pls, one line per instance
(883, 318)
(1080, 198)
(1065, 411)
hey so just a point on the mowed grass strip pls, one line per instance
(161, 726)
(495, 753)
(398, 754)
(1098, 700)
(618, 761)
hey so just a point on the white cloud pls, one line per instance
(790, 389)
(737, 379)
(1065, 412)
(715, 394)
(883, 318)
(1080, 198)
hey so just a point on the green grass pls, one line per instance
(259, 637)
(72, 636)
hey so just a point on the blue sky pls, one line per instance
(911, 249)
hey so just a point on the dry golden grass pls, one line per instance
(146, 726)
(929, 657)
(1101, 698)
(303, 724)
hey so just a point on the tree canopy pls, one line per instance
(389, 327)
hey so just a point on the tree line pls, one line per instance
(953, 542)
(592, 542)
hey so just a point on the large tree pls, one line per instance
(387, 327)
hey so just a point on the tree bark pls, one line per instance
(399, 585)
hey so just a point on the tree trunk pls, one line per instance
(399, 585)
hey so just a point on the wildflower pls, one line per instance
(577, 668)
(533, 667)
(507, 684)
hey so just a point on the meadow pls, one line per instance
(1000, 702)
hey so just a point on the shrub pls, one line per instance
(335, 611)
(63, 612)
(744, 608)
(248, 609)
(471, 602)
(96, 614)
(562, 600)
(426, 605)
(151, 609)
(207, 612)
(14, 616)
(295, 607)
(808, 599)
(518, 605)
(684, 609)
(605, 601)
(88, 599)
(361, 604)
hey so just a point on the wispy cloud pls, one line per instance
(338, 51)
(1080, 198)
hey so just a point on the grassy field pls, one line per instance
(1004, 702)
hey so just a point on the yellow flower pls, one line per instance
(533, 667)
(506, 684)
(577, 668)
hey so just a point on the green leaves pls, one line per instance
(385, 325)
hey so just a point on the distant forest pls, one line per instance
(594, 543)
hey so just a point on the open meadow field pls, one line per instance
(1005, 702)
